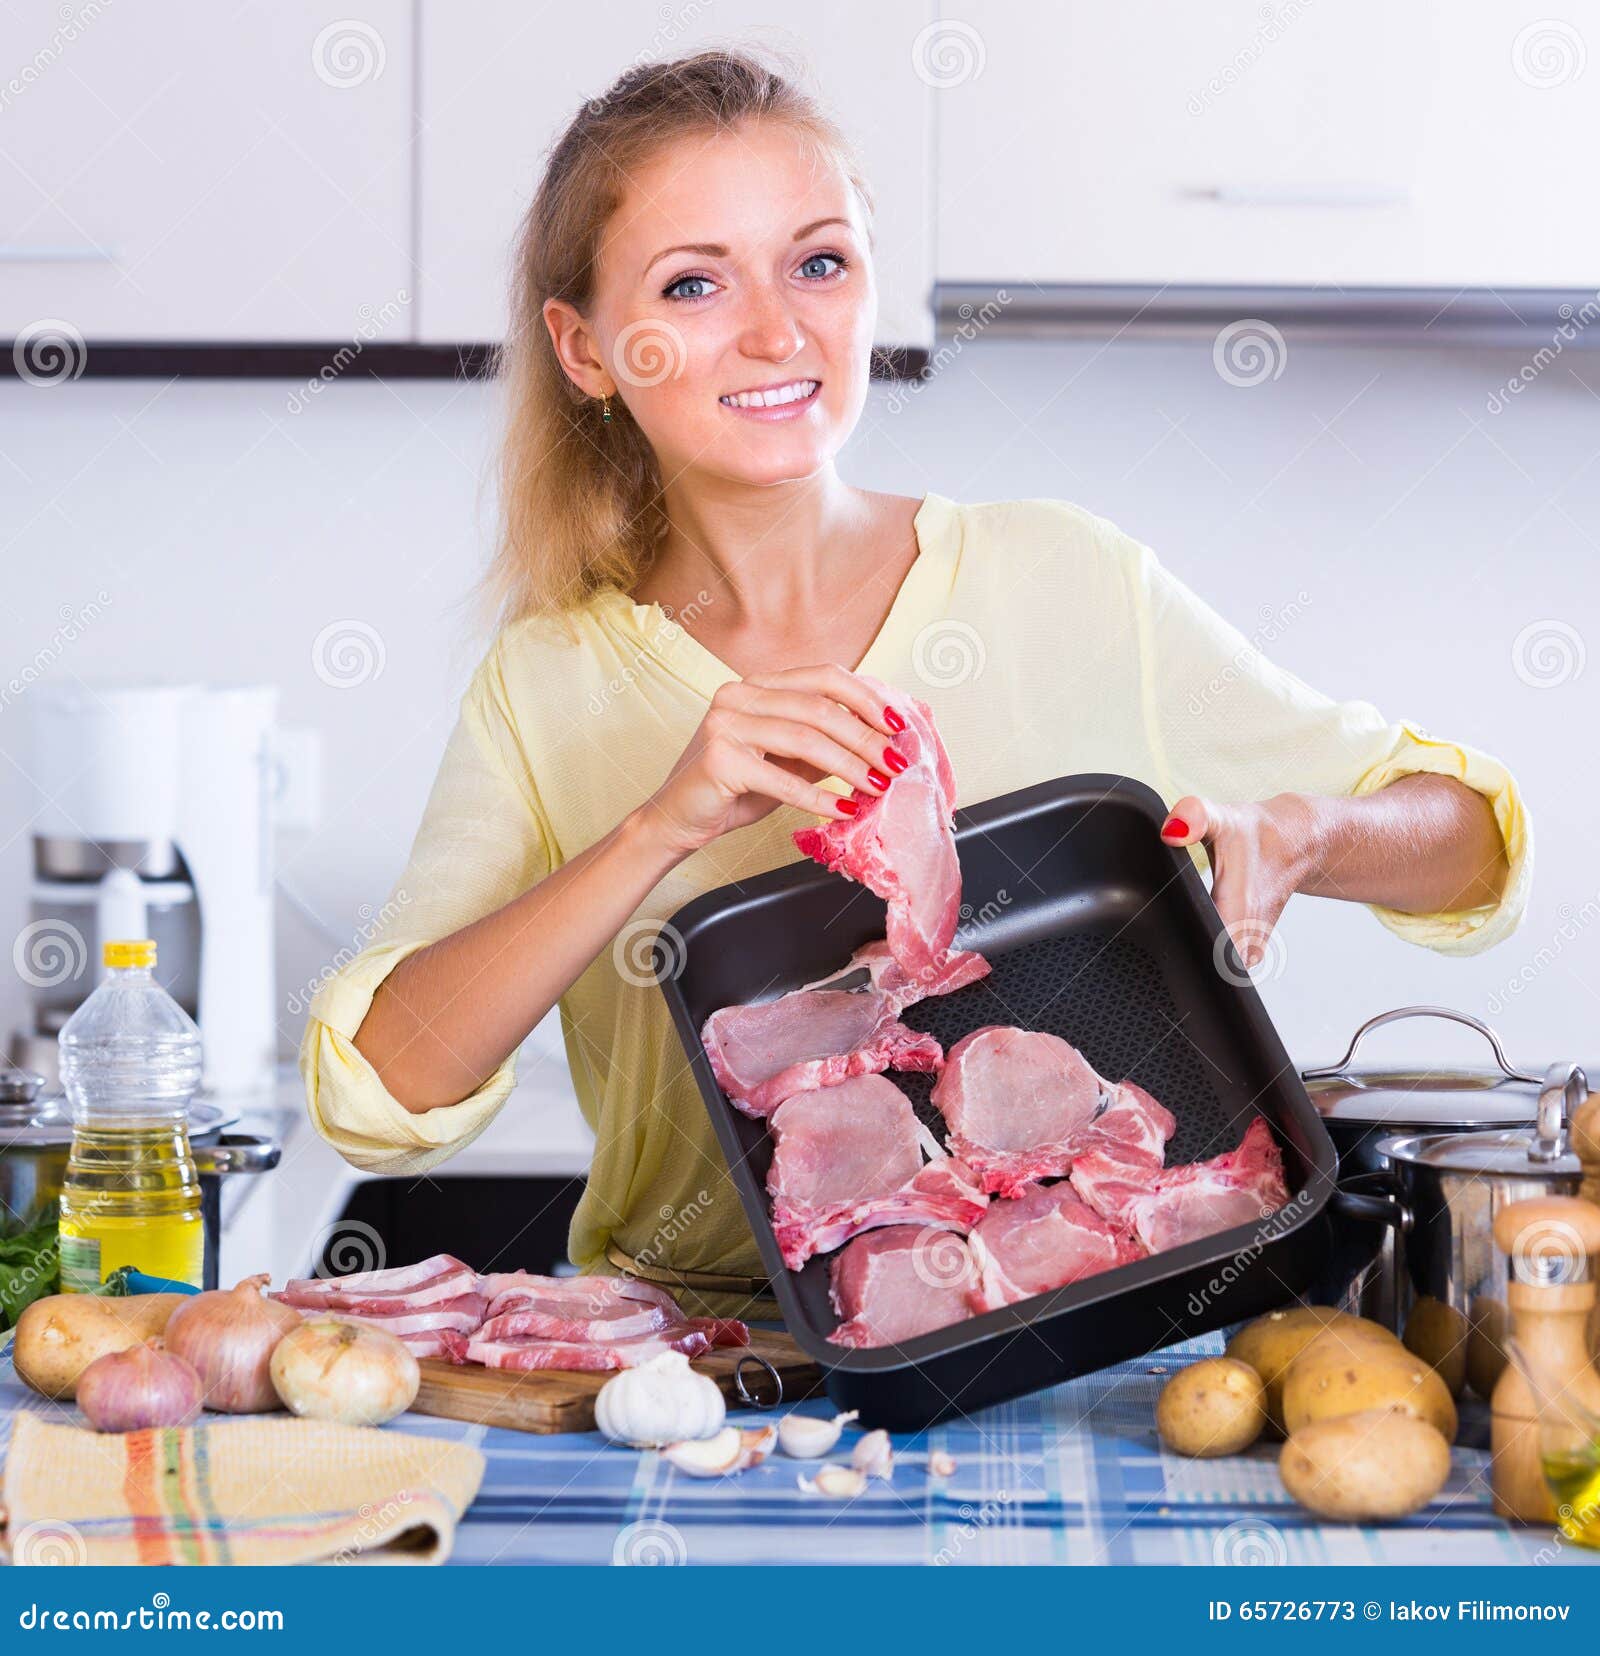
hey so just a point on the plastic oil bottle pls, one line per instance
(130, 1062)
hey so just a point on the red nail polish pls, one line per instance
(1174, 828)
(846, 807)
(878, 779)
(895, 760)
(893, 720)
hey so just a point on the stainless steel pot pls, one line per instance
(35, 1138)
(1367, 1272)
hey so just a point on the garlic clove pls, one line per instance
(712, 1457)
(941, 1464)
(874, 1455)
(804, 1437)
(837, 1483)
(757, 1443)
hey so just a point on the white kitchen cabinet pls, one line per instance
(190, 172)
(500, 80)
(1358, 143)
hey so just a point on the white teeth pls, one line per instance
(796, 391)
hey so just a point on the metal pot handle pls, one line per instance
(238, 1153)
(1383, 1208)
(1447, 1012)
(1564, 1088)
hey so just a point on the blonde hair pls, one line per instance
(581, 500)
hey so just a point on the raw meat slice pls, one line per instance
(584, 1296)
(1046, 1238)
(460, 1316)
(808, 1039)
(850, 1158)
(1022, 1105)
(526, 1352)
(441, 1277)
(1183, 1204)
(895, 1284)
(951, 972)
(548, 1320)
(901, 844)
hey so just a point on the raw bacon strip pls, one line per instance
(522, 1352)
(901, 844)
(1043, 1239)
(460, 1316)
(1175, 1205)
(722, 1331)
(895, 1284)
(1023, 1105)
(442, 1277)
(545, 1321)
(849, 1159)
(585, 1296)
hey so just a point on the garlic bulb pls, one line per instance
(838, 1483)
(660, 1402)
(804, 1437)
(874, 1455)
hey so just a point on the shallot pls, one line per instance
(144, 1386)
(229, 1335)
(330, 1368)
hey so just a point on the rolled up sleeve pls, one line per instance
(1227, 722)
(482, 841)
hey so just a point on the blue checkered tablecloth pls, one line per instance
(1073, 1475)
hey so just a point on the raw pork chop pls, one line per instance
(895, 1284)
(951, 972)
(1043, 1239)
(849, 1159)
(901, 845)
(441, 1277)
(1185, 1203)
(580, 1296)
(1021, 1105)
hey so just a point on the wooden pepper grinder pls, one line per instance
(1585, 1137)
(1551, 1242)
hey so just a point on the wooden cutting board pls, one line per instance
(551, 1400)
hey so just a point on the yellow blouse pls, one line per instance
(1046, 641)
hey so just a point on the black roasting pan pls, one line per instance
(1100, 934)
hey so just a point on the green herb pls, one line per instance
(30, 1267)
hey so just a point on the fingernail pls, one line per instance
(846, 806)
(1174, 828)
(878, 779)
(893, 720)
(896, 761)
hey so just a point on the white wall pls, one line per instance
(1427, 532)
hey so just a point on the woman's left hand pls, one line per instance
(1258, 860)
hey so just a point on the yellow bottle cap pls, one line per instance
(138, 951)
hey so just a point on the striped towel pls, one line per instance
(254, 1491)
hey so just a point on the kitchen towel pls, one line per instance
(257, 1491)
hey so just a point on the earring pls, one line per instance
(605, 410)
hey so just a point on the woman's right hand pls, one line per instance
(765, 742)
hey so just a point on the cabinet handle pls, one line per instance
(1305, 195)
(57, 255)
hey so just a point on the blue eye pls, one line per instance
(671, 290)
(817, 258)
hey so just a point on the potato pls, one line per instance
(59, 1337)
(1271, 1343)
(1438, 1333)
(1379, 1463)
(1337, 1376)
(1217, 1406)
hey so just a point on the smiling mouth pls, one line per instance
(773, 396)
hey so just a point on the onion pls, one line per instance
(330, 1368)
(228, 1334)
(127, 1391)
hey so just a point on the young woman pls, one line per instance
(690, 590)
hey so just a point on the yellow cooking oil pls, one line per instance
(1574, 1479)
(130, 1063)
(131, 1197)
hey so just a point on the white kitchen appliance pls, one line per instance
(156, 821)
